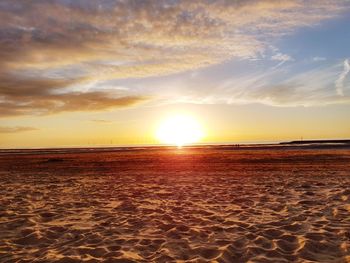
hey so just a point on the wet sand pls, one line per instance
(167, 205)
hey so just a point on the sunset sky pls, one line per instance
(86, 72)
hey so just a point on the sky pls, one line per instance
(86, 72)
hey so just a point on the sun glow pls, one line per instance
(179, 130)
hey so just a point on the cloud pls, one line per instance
(339, 83)
(51, 52)
(68, 102)
(293, 85)
(316, 59)
(142, 38)
(282, 58)
(16, 129)
(45, 96)
(119, 39)
(101, 121)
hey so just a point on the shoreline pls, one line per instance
(290, 145)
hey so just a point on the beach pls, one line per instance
(195, 204)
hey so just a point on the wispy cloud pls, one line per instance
(282, 58)
(101, 121)
(16, 129)
(292, 85)
(339, 83)
(316, 59)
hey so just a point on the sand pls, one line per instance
(188, 205)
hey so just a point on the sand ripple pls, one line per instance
(98, 208)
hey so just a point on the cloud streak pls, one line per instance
(16, 129)
(282, 58)
(339, 83)
(101, 121)
(306, 86)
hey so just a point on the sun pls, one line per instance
(179, 130)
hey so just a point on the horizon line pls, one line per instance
(242, 143)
